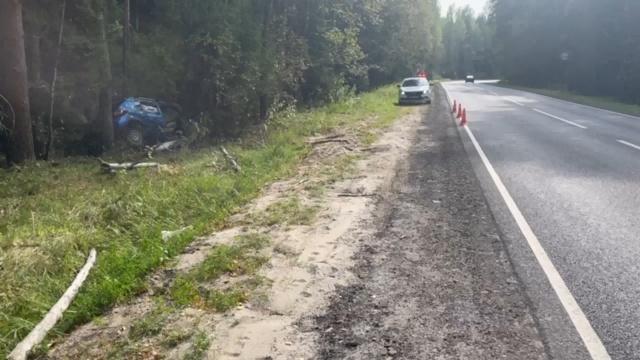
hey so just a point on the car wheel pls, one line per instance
(135, 135)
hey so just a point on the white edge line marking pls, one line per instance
(629, 144)
(573, 103)
(591, 340)
(559, 118)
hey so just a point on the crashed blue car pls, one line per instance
(143, 121)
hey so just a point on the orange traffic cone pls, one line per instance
(454, 107)
(464, 118)
(459, 111)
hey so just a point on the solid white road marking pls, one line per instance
(629, 144)
(559, 118)
(591, 340)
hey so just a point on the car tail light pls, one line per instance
(119, 112)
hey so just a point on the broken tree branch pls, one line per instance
(53, 316)
(324, 141)
(355, 195)
(230, 159)
(165, 146)
(110, 167)
(166, 235)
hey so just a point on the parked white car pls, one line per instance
(414, 91)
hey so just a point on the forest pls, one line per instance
(589, 47)
(228, 64)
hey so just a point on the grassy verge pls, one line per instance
(595, 101)
(51, 216)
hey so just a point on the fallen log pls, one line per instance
(233, 163)
(111, 167)
(53, 316)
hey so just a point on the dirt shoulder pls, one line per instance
(434, 282)
(281, 259)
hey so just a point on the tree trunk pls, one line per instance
(13, 79)
(126, 43)
(264, 101)
(34, 63)
(50, 154)
(104, 111)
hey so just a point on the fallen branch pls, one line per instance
(355, 195)
(165, 146)
(111, 167)
(166, 235)
(53, 316)
(230, 159)
(324, 141)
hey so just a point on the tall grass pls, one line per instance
(51, 216)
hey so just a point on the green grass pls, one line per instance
(240, 258)
(199, 348)
(606, 103)
(50, 217)
(288, 211)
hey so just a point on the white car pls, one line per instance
(470, 79)
(414, 91)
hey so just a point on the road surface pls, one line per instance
(573, 174)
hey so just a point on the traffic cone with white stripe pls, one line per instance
(464, 118)
(459, 111)
(454, 107)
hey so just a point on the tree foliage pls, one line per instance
(586, 46)
(235, 61)
(467, 44)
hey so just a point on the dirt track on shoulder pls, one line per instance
(435, 281)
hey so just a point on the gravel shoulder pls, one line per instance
(434, 281)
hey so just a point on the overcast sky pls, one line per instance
(476, 5)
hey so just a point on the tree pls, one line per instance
(14, 80)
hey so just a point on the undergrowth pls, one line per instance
(50, 217)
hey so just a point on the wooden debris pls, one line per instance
(230, 159)
(112, 167)
(166, 235)
(355, 195)
(53, 316)
(165, 146)
(324, 141)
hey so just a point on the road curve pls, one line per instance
(574, 173)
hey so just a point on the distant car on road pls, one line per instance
(141, 120)
(414, 91)
(470, 79)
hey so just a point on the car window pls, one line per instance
(415, 82)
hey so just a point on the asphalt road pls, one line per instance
(574, 173)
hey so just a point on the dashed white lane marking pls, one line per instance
(559, 118)
(591, 340)
(515, 102)
(629, 144)
(492, 93)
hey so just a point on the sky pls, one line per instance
(476, 5)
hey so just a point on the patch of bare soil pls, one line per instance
(310, 256)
